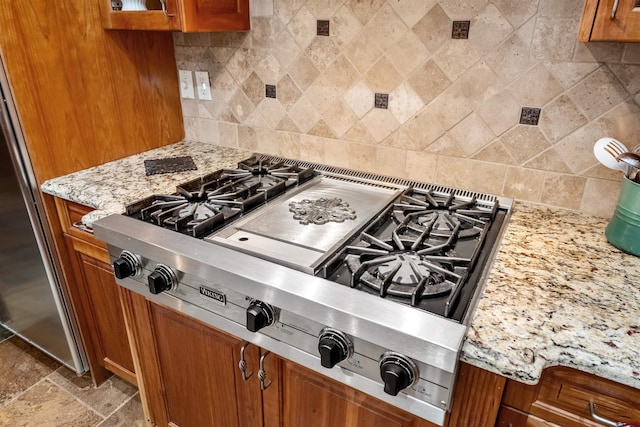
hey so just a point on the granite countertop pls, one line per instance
(557, 294)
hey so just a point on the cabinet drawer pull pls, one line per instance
(262, 374)
(80, 226)
(243, 363)
(598, 418)
(171, 15)
(614, 9)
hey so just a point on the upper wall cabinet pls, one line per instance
(176, 15)
(610, 20)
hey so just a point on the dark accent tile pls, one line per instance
(530, 116)
(322, 28)
(381, 100)
(116, 4)
(460, 30)
(270, 91)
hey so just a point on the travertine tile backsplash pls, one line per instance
(454, 105)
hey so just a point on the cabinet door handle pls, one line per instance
(243, 363)
(171, 15)
(262, 374)
(614, 9)
(80, 226)
(598, 418)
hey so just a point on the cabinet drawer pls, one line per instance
(568, 393)
(71, 214)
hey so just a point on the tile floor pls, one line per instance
(37, 391)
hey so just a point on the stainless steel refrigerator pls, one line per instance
(32, 300)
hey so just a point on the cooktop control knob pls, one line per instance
(334, 346)
(162, 279)
(398, 372)
(259, 315)
(126, 265)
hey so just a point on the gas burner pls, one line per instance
(321, 211)
(205, 204)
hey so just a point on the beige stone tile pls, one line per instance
(404, 103)
(446, 164)
(570, 73)
(189, 107)
(303, 72)
(225, 85)
(324, 9)
(267, 141)
(312, 148)
(247, 138)
(429, 81)
(364, 10)
(360, 99)
(197, 39)
(287, 9)
(362, 157)
(631, 54)
(239, 65)
(561, 8)
(563, 190)
(190, 128)
(391, 161)
(228, 134)
(500, 112)
(446, 146)
(527, 30)
(628, 74)
(336, 152)
(322, 51)
(285, 49)
(362, 54)
(548, 160)
(455, 57)
(598, 52)
(597, 93)
(434, 29)
(486, 177)
(261, 7)
(240, 106)
(288, 144)
(463, 9)
(254, 89)
(344, 27)
(303, 27)
(517, 11)
(478, 83)
(271, 111)
(261, 33)
(129, 415)
(536, 87)
(46, 404)
(21, 366)
(359, 133)
(421, 166)
(524, 184)
(287, 124)
(339, 118)
(287, 92)
(411, 11)
(488, 28)
(420, 131)
(554, 39)
(268, 69)
(341, 74)
(380, 123)
(382, 77)
(321, 128)
(450, 107)
(524, 142)
(600, 197)
(322, 94)
(385, 28)
(600, 171)
(304, 114)
(104, 399)
(560, 117)
(208, 131)
(495, 152)
(471, 134)
(622, 123)
(510, 59)
(407, 53)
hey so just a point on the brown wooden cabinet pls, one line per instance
(563, 397)
(600, 23)
(188, 375)
(95, 298)
(181, 15)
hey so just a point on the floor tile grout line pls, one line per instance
(86, 405)
(118, 408)
(23, 392)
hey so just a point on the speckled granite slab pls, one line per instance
(558, 294)
(111, 186)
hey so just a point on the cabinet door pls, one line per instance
(97, 303)
(311, 400)
(598, 24)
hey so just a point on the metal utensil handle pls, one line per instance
(592, 411)
(80, 226)
(243, 363)
(614, 9)
(171, 15)
(262, 374)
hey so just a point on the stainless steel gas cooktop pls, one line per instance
(365, 278)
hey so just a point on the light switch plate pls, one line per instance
(203, 85)
(186, 84)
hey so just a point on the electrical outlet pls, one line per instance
(203, 85)
(186, 84)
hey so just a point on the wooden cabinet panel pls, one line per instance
(598, 25)
(181, 15)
